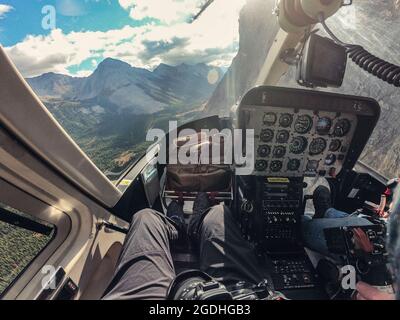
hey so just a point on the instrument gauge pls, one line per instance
(270, 119)
(286, 120)
(330, 159)
(335, 145)
(298, 145)
(279, 152)
(312, 165)
(261, 165)
(266, 135)
(293, 164)
(324, 126)
(282, 136)
(276, 166)
(317, 146)
(342, 128)
(264, 151)
(303, 124)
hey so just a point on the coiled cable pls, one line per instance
(378, 67)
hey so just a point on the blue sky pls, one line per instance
(143, 33)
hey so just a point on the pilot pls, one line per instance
(328, 217)
(145, 269)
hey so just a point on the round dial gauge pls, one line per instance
(335, 145)
(264, 151)
(317, 146)
(282, 136)
(303, 124)
(266, 135)
(293, 164)
(298, 145)
(279, 152)
(261, 165)
(270, 119)
(324, 125)
(312, 165)
(276, 166)
(330, 159)
(286, 120)
(342, 128)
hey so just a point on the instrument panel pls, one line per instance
(299, 142)
(301, 133)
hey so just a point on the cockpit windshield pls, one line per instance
(109, 71)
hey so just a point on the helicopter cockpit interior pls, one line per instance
(299, 136)
(291, 140)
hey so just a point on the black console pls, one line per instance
(297, 134)
(293, 272)
(271, 218)
(277, 215)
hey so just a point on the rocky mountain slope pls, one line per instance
(117, 86)
(109, 113)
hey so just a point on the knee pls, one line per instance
(219, 217)
(146, 217)
(216, 215)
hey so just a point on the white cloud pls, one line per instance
(58, 51)
(4, 9)
(211, 39)
(167, 11)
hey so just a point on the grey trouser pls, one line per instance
(145, 269)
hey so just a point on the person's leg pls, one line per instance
(326, 217)
(145, 268)
(332, 213)
(224, 253)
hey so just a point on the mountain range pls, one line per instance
(115, 85)
(110, 112)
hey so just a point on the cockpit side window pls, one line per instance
(22, 238)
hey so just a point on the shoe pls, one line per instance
(201, 204)
(176, 214)
(322, 201)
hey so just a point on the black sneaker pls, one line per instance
(201, 204)
(322, 201)
(176, 214)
